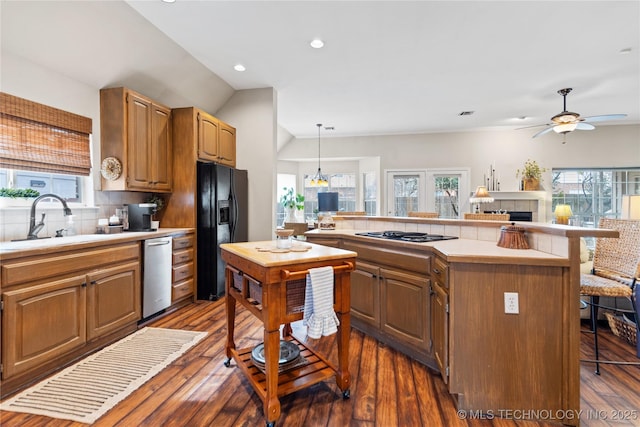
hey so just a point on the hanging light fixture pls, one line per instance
(319, 180)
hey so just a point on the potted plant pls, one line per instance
(158, 200)
(17, 196)
(530, 175)
(291, 202)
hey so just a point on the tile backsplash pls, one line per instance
(14, 221)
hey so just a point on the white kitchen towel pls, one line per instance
(319, 316)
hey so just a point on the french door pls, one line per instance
(405, 192)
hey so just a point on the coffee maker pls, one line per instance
(139, 216)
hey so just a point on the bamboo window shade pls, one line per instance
(41, 138)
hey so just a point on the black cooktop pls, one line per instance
(406, 236)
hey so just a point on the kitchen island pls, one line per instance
(270, 283)
(443, 303)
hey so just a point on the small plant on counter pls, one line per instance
(15, 193)
(290, 200)
(158, 200)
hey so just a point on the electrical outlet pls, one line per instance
(511, 303)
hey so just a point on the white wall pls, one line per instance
(606, 146)
(253, 114)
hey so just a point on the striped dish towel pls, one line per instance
(319, 316)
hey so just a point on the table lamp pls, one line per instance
(480, 196)
(562, 213)
(631, 207)
(327, 203)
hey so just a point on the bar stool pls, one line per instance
(616, 269)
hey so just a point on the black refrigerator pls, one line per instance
(222, 218)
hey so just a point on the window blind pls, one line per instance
(37, 137)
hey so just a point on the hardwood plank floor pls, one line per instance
(388, 388)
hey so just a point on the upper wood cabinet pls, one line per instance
(215, 140)
(138, 132)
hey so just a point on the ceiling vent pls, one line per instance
(466, 113)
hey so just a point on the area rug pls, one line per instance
(85, 391)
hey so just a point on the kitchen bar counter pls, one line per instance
(452, 297)
(13, 250)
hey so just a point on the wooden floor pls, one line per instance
(388, 388)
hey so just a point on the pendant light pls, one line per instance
(319, 180)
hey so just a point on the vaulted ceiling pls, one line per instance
(393, 67)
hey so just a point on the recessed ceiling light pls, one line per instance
(169, 1)
(316, 43)
(239, 67)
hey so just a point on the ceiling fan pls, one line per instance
(567, 121)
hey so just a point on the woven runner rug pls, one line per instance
(85, 391)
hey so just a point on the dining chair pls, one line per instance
(616, 270)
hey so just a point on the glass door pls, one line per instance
(448, 192)
(405, 192)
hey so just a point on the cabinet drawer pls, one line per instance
(182, 256)
(182, 272)
(440, 272)
(181, 290)
(41, 267)
(183, 242)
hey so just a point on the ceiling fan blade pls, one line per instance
(604, 117)
(542, 132)
(585, 126)
(533, 126)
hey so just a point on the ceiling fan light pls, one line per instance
(565, 127)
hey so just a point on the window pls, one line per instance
(343, 183)
(69, 187)
(283, 181)
(370, 193)
(446, 196)
(593, 193)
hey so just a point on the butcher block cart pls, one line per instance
(270, 283)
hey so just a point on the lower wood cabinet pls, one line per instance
(182, 277)
(440, 328)
(405, 307)
(58, 307)
(365, 294)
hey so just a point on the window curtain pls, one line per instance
(41, 138)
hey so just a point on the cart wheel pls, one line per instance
(227, 362)
(346, 394)
(271, 424)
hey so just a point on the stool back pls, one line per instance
(615, 257)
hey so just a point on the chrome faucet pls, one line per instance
(34, 228)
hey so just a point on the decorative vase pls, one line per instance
(530, 184)
(290, 215)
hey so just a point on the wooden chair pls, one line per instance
(424, 214)
(487, 216)
(616, 269)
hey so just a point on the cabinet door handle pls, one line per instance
(84, 284)
(93, 282)
(435, 270)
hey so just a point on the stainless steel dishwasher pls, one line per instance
(156, 288)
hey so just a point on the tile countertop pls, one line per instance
(461, 250)
(49, 245)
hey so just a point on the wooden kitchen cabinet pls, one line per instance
(138, 132)
(196, 136)
(227, 145)
(440, 316)
(58, 307)
(405, 307)
(390, 290)
(213, 139)
(365, 293)
(183, 268)
(41, 322)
